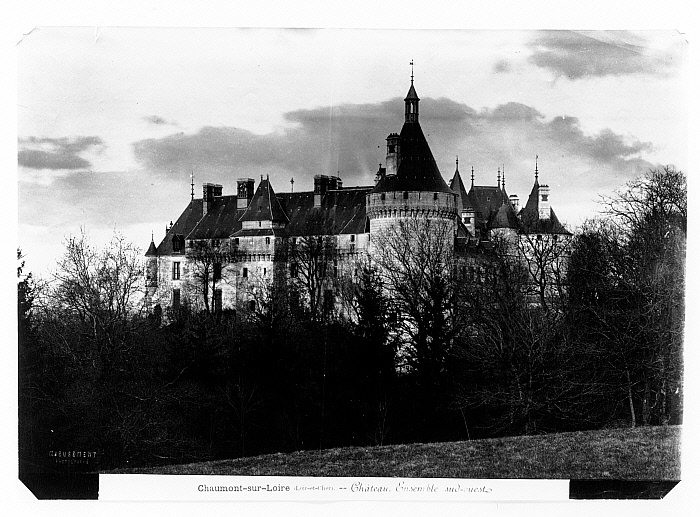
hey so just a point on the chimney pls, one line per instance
(393, 154)
(218, 190)
(543, 202)
(207, 197)
(246, 188)
(468, 216)
(515, 202)
(320, 188)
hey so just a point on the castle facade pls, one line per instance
(223, 247)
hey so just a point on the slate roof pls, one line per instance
(505, 217)
(343, 210)
(220, 222)
(486, 202)
(152, 252)
(183, 226)
(457, 187)
(530, 216)
(264, 205)
(418, 170)
(411, 93)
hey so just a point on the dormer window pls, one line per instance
(178, 243)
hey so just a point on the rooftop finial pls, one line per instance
(472, 175)
(499, 178)
(151, 235)
(536, 172)
(411, 71)
(292, 182)
(192, 183)
(503, 184)
(457, 164)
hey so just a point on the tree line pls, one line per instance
(519, 336)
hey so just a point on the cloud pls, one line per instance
(158, 121)
(594, 54)
(351, 139)
(56, 153)
(502, 66)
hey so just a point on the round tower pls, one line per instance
(416, 189)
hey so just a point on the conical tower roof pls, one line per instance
(152, 251)
(264, 206)
(457, 187)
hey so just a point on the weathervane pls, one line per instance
(536, 172)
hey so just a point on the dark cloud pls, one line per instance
(158, 121)
(501, 66)
(352, 139)
(56, 153)
(582, 54)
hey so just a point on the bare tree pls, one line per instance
(313, 261)
(208, 261)
(415, 258)
(546, 257)
(634, 295)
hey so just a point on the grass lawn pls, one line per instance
(643, 453)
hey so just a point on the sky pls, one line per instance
(113, 121)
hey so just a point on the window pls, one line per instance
(267, 241)
(405, 195)
(245, 272)
(435, 196)
(176, 299)
(236, 241)
(215, 243)
(176, 271)
(467, 220)
(383, 196)
(217, 271)
(264, 271)
(352, 238)
(178, 243)
(218, 300)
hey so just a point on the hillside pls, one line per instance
(644, 453)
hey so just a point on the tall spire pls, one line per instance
(457, 164)
(503, 184)
(536, 171)
(499, 178)
(472, 176)
(411, 101)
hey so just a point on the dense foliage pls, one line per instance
(429, 353)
